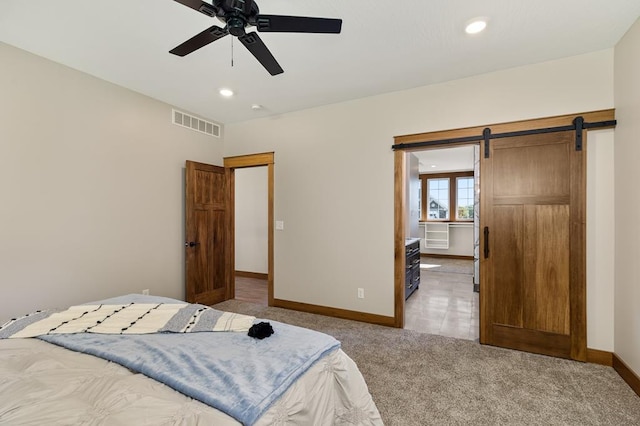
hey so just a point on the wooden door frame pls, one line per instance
(400, 202)
(241, 162)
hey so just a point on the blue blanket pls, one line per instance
(239, 375)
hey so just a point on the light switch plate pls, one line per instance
(279, 225)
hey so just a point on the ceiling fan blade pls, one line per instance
(254, 44)
(196, 42)
(297, 24)
(202, 7)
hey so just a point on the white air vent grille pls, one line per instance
(194, 123)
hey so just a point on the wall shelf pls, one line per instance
(436, 235)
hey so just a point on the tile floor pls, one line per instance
(445, 304)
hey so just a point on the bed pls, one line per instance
(173, 364)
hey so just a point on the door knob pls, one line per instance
(191, 244)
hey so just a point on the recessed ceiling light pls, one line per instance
(227, 93)
(256, 107)
(476, 25)
(433, 165)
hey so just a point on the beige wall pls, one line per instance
(334, 173)
(91, 187)
(600, 239)
(251, 217)
(627, 201)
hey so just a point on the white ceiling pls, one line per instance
(443, 160)
(384, 46)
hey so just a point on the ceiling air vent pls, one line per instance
(194, 123)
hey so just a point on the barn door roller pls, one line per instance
(486, 134)
(578, 122)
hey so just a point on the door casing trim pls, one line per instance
(241, 162)
(400, 176)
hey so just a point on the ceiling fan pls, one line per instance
(240, 14)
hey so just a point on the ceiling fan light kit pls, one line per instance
(238, 15)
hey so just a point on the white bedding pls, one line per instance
(43, 384)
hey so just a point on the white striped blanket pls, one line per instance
(126, 318)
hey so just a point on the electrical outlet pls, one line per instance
(145, 291)
(360, 293)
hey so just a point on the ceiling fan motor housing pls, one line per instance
(228, 10)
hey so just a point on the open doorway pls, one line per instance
(251, 234)
(446, 223)
(252, 179)
(533, 220)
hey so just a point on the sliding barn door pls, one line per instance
(533, 245)
(209, 234)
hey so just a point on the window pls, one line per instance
(464, 198)
(438, 196)
(447, 196)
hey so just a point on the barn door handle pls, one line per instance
(486, 242)
(191, 244)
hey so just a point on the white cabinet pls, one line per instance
(436, 235)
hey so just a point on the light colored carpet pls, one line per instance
(423, 379)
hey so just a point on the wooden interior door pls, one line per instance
(209, 234)
(532, 292)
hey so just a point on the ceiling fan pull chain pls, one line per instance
(232, 52)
